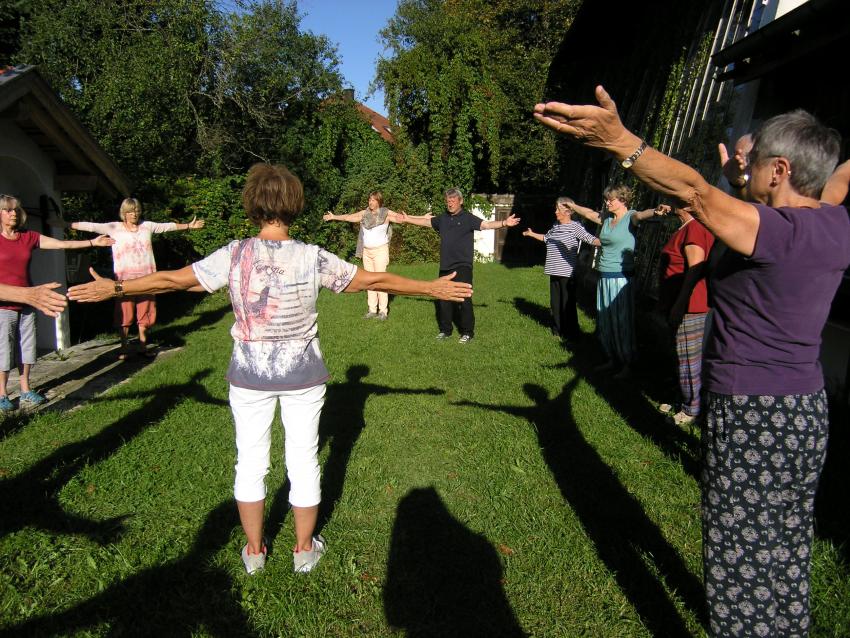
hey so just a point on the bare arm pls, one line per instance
(642, 215)
(587, 213)
(51, 243)
(694, 255)
(835, 191)
(39, 297)
(442, 288)
(155, 283)
(734, 222)
(419, 220)
(195, 224)
(350, 217)
(508, 222)
(530, 233)
(397, 218)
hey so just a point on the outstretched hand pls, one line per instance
(511, 220)
(447, 290)
(97, 290)
(527, 232)
(595, 126)
(196, 223)
(733, 167)
(328, 216)
(663, 209)
(102, 240)
(43, 298)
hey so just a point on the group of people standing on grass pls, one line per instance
(786, 245)
(132, 254)
(456, 228)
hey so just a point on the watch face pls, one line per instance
(627, 163)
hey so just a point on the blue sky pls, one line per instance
(353, 27)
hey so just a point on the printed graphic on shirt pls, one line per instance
(274, 286)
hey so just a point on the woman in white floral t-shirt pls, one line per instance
(274, 282)
(132, 257)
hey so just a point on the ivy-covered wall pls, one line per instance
(654, 59)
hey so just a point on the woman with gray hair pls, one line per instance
(562, 242)
(765, 438)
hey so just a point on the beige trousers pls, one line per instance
(376, 260)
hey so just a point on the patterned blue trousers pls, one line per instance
(762, 458)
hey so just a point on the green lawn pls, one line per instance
(493, 489)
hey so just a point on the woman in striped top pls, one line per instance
(562, 242)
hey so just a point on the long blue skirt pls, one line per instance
(615, 325)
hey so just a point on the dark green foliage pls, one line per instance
(462, 80)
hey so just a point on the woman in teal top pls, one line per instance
(614, 293)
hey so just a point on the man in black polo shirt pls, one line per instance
(456, 227)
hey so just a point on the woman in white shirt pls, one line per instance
(373, 245)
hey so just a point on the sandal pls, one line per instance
(150, 353)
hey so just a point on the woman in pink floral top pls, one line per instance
(274, 282)
(132, 257)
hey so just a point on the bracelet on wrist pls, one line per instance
(91, 243)
(119, 288)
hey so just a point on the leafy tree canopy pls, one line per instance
(462, 78)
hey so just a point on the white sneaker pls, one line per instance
(304, 561)
(254, 562)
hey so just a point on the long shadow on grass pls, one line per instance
(340, 426)
(175, 335)
(16, 422)
(31, 499)
(181, 598)
(625, 538)
(442, 579)
(627, 399)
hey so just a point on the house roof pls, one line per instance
(81, 163)
(379, 123)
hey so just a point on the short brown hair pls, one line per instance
(619, 191)
(379, 197)
(10, 202)
(271, 194)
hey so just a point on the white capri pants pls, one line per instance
(253, 415)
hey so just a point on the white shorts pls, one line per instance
(253, 414)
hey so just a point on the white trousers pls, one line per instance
(253, 415)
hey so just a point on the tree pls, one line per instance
(462, 79)
(129, 70)
(263, 83)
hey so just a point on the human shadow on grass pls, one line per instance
(341, 424)
(627, 398)
(442, 579)
(175, 335)
(624, 536)
(185, 597)
(31, 498)
(104, 362)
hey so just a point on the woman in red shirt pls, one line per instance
(17, 321)
(684, 298)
